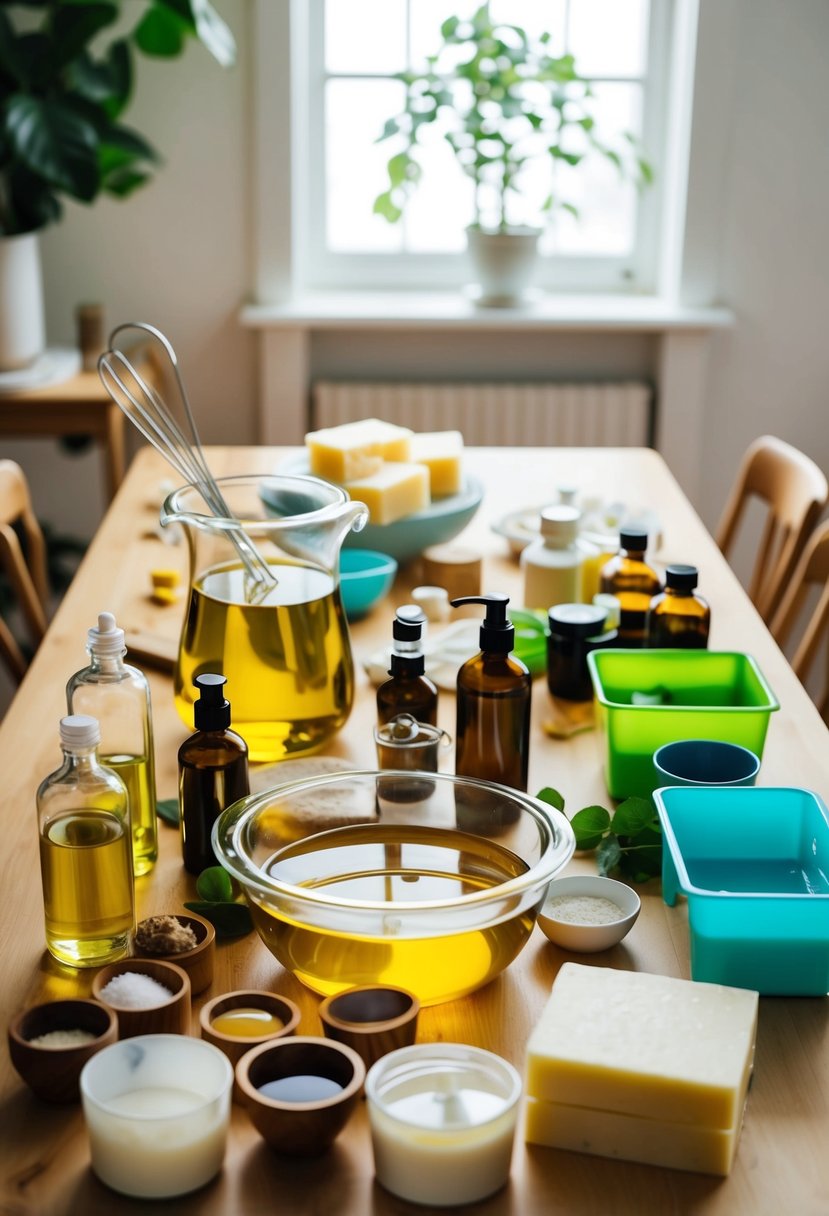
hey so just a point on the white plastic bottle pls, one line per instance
(552, 564)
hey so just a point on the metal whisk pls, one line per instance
(148, 411)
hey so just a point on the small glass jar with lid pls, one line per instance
(575, 630)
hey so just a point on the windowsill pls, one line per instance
(451, 309)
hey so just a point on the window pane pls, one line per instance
(426, 18)
(442, 205)
(370, 37)
(535, 17)
(355, 111)
(609, 37)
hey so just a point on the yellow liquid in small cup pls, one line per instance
(395, 863)
(246, 1023)
(290, 675)
(134, 771)
(86, 866)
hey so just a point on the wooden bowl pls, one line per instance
(374, 1019)
(52, 1072)
(198, 962)
(169, 1017)
(300, 1129)
(235, 1046)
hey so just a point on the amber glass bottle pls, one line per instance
(213, 772)
(634, 583)
(409, 691)
(492, 736)
(678, 617)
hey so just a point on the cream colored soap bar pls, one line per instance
(647, 1045)
(677, 1146)
(394, 491)
(442, 453)
(356, 449)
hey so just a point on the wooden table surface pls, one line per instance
(782, 1162)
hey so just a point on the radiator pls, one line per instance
(492, 415)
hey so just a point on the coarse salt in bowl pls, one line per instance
(587, 913)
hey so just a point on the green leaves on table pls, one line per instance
(628, 840)
(217, 903)
(167, 809)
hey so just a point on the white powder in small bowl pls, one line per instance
(134, 990)
(56, 1039)
(583, 910)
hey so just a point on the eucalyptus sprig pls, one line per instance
(628, 839)
(218, 903)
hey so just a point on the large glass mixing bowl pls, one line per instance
(422, 880)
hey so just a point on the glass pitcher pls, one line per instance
(286, 653)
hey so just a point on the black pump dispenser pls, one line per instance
(211, 711)
(409, 690)
(497, 630)
(407, 632)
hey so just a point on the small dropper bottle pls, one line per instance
(492, 736)
(213, 772)
(118, 695)
(85, 852)
(409, 690)
(634, 583)
(678, 617)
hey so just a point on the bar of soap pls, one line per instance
(356, 449)
(442, 453)
(646, 1045)
(676, 1146)
(395, 490)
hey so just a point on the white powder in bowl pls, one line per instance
(583, 909)
(134, 990)
(64, 1038)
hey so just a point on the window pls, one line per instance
(348, 90)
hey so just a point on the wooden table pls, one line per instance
(782, 1159)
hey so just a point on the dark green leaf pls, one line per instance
(108, 81)
(228, 919)
(552, 797)
(391, 128)
(633, 815)
(167, 809)
(590, 825)
(214, 884)
(55, 143)
(161, 32)
(75, 25)
(129, 141)
(122, 182)
(608, 855)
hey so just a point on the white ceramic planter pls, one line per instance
(504, 263)
(22, 324)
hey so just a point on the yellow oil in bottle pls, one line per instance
(395, 865)
(135, 773)
(86, 865)
(290, 675)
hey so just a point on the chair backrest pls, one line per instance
(812, 571)
(795, 492)
(27, 574)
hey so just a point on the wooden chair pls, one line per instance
(812, 571)
(27, 575)
(795, 492)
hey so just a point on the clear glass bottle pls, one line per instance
(552, 563)
(85, 853)
(118, 695)
(634, 583)
(213, 772)
(409, 690)
(678, 617)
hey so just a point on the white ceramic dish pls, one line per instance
(589, 938)
(600, 526)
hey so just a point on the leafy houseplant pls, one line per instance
(66, 78)
(508, 106)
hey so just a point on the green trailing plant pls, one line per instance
(507, 102)
(66, 79)
(627, 840)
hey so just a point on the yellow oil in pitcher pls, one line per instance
(398, 864)
(290, 675)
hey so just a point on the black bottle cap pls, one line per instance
(682, 578)
(633, 538)
(408, 624)
(211, 711)
(577, 620)
(497, 631)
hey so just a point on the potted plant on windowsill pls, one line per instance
(508, 107)
(66, 77)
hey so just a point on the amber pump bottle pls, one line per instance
(492, 736)
(678, 617)
(634, 583)
(409, 691)
(213, 772)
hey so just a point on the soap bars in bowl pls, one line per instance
(642, 1067)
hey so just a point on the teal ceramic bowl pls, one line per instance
(441, 521)
(366, 577)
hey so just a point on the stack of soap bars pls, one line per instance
(642, 1067)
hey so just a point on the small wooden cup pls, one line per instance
(52, 1072)
(168, 1017)
(197, 962)
(374, 1019)
(235, 1046)
(300, 1129)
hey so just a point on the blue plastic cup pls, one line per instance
(705, 762)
